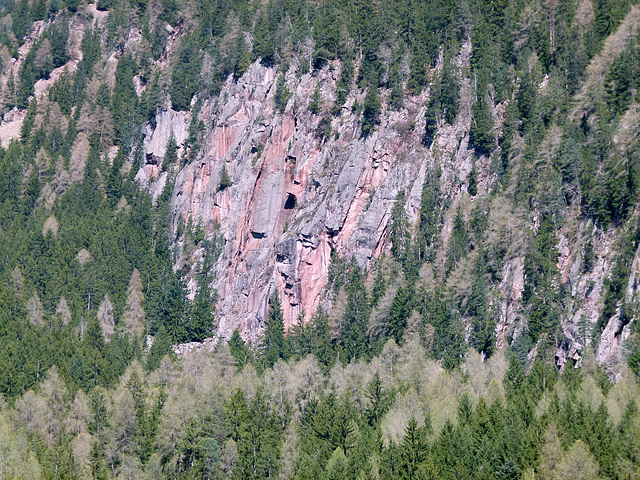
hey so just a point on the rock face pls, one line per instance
(295, 196)
(300, 186)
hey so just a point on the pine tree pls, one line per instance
(431, 123)
(482, 326)
(171, 153)
(161, 347)
(282, 95)
(343, 85)
(264, 45)
(371, 111)
(115, 187)
(124, 102)
(473, 182)
(225, 180)
(399, 230)
(242, 55)
(413, 450)
(449, 92)
(175, 309)
(481, 133)
(380, 400)
(240, 350)
(184, 77)
(258, 434)
(316, 99)
(275, 345)
(31, 192)
(321, 343)
(353, 338)
(396, 96)
(399, 313)
(201, 316)
(459, 241)
(99, 468)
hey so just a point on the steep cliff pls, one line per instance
(279, 172)
(293, 198)
(297, 196)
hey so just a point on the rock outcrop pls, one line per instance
(294, 197)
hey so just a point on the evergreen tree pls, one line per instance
(225, 180)
(448, 342)
(282, 95)
(321, 343)
(184, 77)
(343, 85)
(431, 123)
(371, 111)
(482, 325)
(258, 434)
(396, 96)
(481, 133)
(99, 468)
(264, 45)
(429, 218)
(161, 347)
(242, 55)
(399, 313)
(353, 338)
(201, 316)
(316, 99)
(240, 351)
(274, 343)
(449, 92)
(124, 102)
(174, 309)
(473, 182)
(115, 186)
(459, 241)
(413, 451)
(380, 400)
(171, 153)
(399, 230)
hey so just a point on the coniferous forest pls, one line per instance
(489, 332)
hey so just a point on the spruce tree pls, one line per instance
(171, 153)
(275, 345)
(201, 315)
(399, 230)
(481, 133)
(124, 102)
(240, 350)
(371, 111)
(413, 450)
(354, 338)
(380, 399)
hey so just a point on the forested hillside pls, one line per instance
(324, 239)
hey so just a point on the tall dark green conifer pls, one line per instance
(124, 102)
(399, 230)
(371, 111)
(184, 77)
(354, 338)
(481, 133)
(201, 322)
(240, 350)
(274, 345)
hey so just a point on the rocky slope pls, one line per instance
(295, 199)
(296, 196)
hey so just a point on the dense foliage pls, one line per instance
(405, 377)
